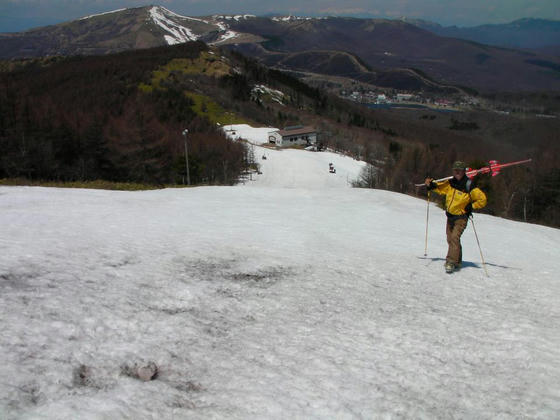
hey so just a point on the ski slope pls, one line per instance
(301, 169)
(288, 297)
(291, 168)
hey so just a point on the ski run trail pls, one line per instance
(291, 296)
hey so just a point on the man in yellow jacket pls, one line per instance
(461, 197)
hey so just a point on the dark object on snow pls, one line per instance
(145, 373)
(82, 376)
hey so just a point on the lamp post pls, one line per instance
(185, 132)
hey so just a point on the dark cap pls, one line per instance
(459, 165)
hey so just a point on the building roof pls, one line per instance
(296, 131)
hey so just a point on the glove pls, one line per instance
(430, 184)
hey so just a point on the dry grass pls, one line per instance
(97, 184)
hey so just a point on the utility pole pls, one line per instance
(185, 132)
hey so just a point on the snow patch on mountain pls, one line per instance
(234, 17)
(173, 14)
(275, 95)
(226, 34)
(178, 33)
(290, 18)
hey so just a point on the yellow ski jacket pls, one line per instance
(459, 202)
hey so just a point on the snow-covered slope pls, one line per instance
(179, 29)
(290, 168)
(270, 303)
(176, 32)
(120, 30)
(300, 169)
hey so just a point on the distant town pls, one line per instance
(384, 99)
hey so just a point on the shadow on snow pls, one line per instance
(467, 264)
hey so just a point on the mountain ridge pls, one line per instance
(110, 32)
(525, 33)
(384, 46)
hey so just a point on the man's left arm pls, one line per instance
(478, 199)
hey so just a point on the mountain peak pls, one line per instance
(171, 24)
(115, 31)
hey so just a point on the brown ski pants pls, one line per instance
(454, 230)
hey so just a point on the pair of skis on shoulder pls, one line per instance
(494, 168)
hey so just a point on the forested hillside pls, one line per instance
(86, 118)
(121, 117)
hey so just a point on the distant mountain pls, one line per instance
(383, 45)
(388, 53)
(522, 33)
(111, 32)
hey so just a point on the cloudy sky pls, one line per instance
(17, 15)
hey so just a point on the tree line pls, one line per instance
(84, 118)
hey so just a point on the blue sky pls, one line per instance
(18, 15)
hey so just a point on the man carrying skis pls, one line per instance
(461, 197)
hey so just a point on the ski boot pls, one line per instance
(449, 267)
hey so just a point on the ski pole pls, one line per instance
(479, 248)
(427, 219)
